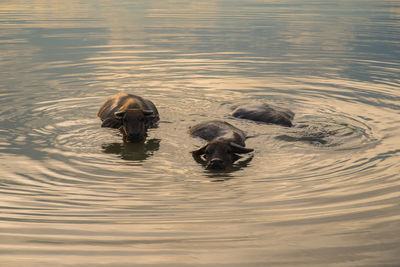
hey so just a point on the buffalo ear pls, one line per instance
(149, 115)
(111, 123)
(240, 149)
(119, 114)
(148, 112)
(200, 151)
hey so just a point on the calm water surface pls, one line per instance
(323, 193)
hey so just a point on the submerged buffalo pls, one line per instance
(224, 141)
(131, 114)
(264, 113)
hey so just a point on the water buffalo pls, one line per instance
(264, 113)
(224, 141)
(132, 114)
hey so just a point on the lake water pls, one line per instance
(323, 193)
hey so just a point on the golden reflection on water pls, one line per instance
(74, 194)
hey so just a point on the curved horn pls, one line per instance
(240, 149)
(200, 151)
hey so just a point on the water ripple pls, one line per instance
(322, 193)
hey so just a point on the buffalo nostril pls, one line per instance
(217, 161)
(135, 135)
(216, 164)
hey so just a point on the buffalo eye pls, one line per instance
(208, 153)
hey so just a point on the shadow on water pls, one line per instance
(223, 175)
(133, 151)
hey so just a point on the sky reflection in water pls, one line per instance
(325, 192)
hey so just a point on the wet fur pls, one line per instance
(213, 130)
(224, 141)
(264, 113)
(139, 114)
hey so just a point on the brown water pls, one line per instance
(324, 193)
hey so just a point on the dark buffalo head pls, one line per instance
(220, 154)
(134, 123)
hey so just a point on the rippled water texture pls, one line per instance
(325, 192)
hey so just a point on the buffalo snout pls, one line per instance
(135, 138)
(216, 164)
(134, 124)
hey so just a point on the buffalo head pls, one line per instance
(220, 154)
(134, 123)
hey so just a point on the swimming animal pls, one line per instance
(264, 113)
(131, 114)
(224, 141)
